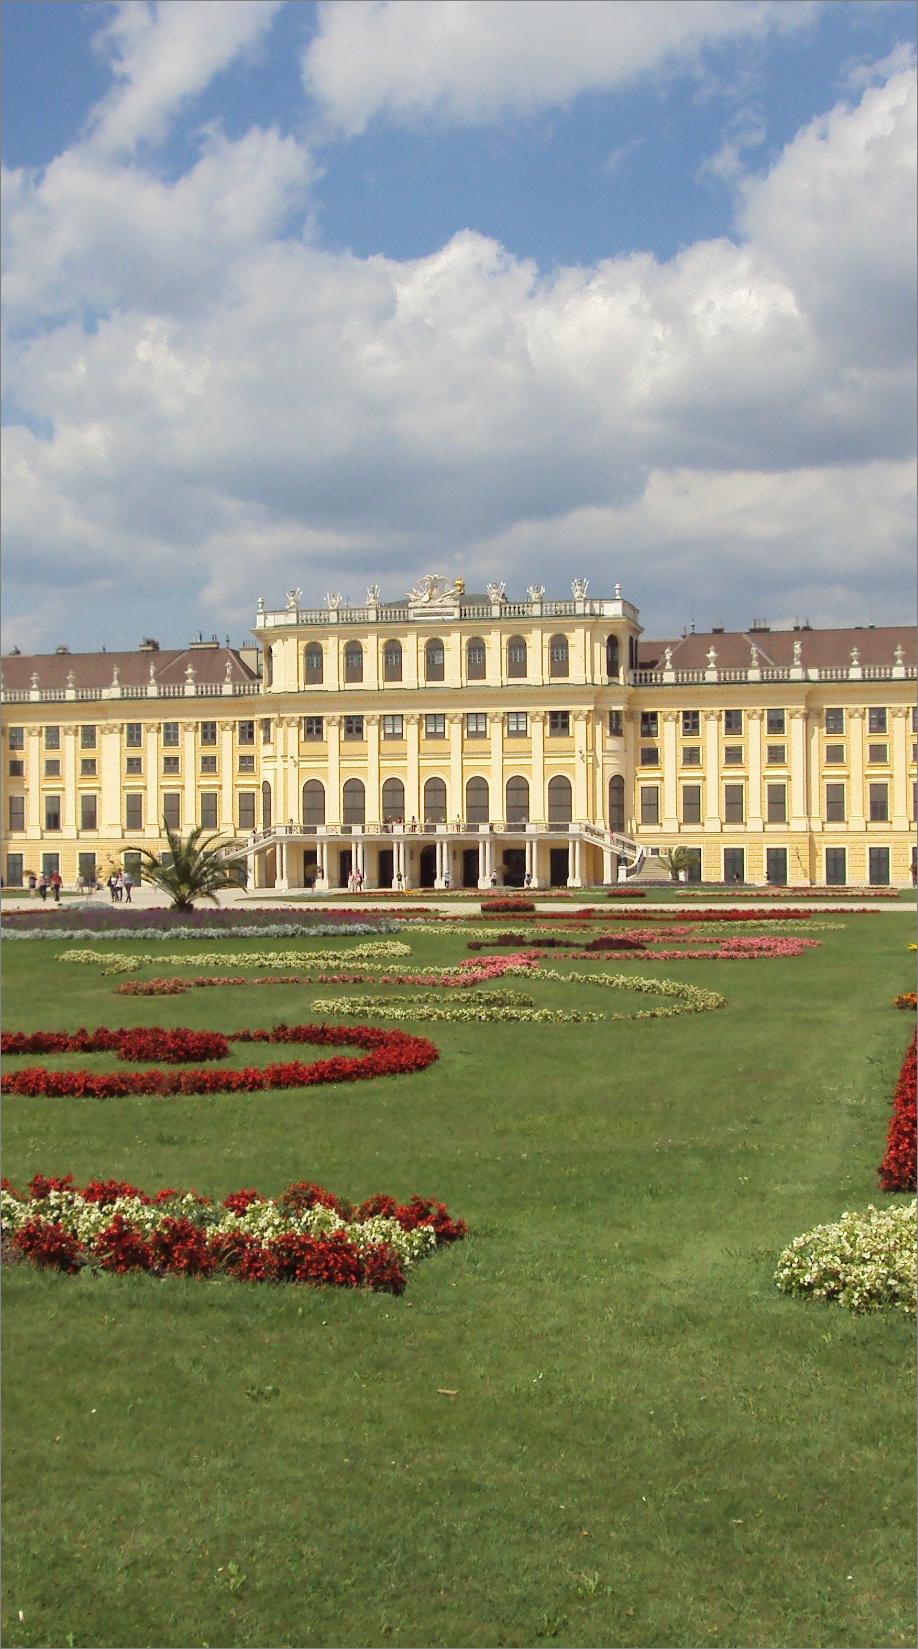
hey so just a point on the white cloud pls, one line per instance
(469, 62)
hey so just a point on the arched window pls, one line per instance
(434, 660)
(312, 664)
(516, 657)
(476, 659)
(355, 804)
(612, 656)
(392, 661)
(393, 801)
(313, 804)
(617, 803)
(266, 806)
(353, 661)
(558, 657)
(269, 666)
(560, 809)
(476, 801)
(435, 802)
(517, 801)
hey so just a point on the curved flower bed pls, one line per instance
(897, 1170)
(729, 948)
(865, 1261)
(465, 975)
(111, 962)
(306, 1235)
(498, 1007)
(388, 1053)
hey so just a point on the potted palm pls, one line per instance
(677, 863)
(194, 870)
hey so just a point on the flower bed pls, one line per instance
(496, 1007)
(683, 998)
(864, 1261)
(306, 1235)
(897, 1170)
(503, 906)
(111, 962)
(464, 975)
(906, 1000)
(388, 1053)
(126, 922)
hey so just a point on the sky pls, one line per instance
(324, 296)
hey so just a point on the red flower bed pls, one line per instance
(145, 1042)
(503, 906)
(906, 1000)
(626, 893)
(897, 1170)
(389, 1053)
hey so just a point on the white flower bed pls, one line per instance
(865, 1261)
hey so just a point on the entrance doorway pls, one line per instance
(386, 862)
(310, 867)
(344, 866)
(428, 867)
(470, 867)
(514, 867)
(557, 866)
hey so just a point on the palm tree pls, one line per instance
(675, 860)
(195, 872)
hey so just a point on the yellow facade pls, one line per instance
(455, 740)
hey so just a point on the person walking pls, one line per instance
(128, 885)
(56, 885)
(113, 886)
(42, 887)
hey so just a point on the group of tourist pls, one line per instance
(45, 884)
(120, 884)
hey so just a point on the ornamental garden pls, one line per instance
(585, 1266)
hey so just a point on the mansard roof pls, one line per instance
(819, 649)
(97, 669)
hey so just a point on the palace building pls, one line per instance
(456, 740)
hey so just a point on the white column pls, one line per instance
(712, 769)
(280, 862)
(412, 767)
(754, 812)
(333, 795)
(857, 790)
(798, 765)
(33, 770)
(571, 864)
(321, 863)
(227, 821)
(483, 862)
(496, 780)
(110, 780)
(582, 758)
(189, 776)
(901, 715)
(455, 804)
(374, 804)
(670, 817)
(68, 774)
(609, 871)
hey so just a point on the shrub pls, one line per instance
(865, 1261)
(503, 906)
(897, 1170)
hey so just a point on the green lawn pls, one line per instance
(649, 1446)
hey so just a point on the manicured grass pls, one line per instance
(649, 1445)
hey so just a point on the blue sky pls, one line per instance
(324, 296)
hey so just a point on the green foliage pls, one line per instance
(196, 870)
(676, 860)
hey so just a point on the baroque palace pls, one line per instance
(471, 741)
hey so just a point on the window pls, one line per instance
(733, 721)
(878, 866)
(133, 810)
(776, 866)
(313, 800)
(246, 764)
(877, 752)
(88, 767)
(693, 864)
(353, 661)
(17, 769)
(876, 720)
(269, 666)
(170, 733)
(86, 868)
(266, 808)
(52, 738)
(774, 723)
(312, 727)
(17, 812)
(170, 764)
(516, 658)
(691, 804)
(517, 724)
(208, 764)
(914, 718)
(517, 800)
(434, 660)
(617, 803)
(559, 723)
(835, 804)
(354, 800)
(691, 723)
(476, 725)
(393, 801)
(775, 754)
(352, 727)
(691, 755)
(835, 754)
(172, 803)
(207, 803)
(558, 657)
(52, 768)
(733, 804)
(393, 727)
(266, 734)
(245, 802)
(616, 724)
(649, 724)
(435, 802)
(734, 864)
(836, 866)
(650, 804)
(312, 664)
(245, 732)
(477, 801)
(133, 734)
(776, 803)
(560, 800)
(733, 755)
(52, 813)
(475, 659)
(392, 661)
(14, 869)
(879, 802)
(16, 738)
(435, 727)
(612, 658)
(133, 764)
(208, 732)
(87, 738)
(50, 862)
(650, 755)
(835, 721)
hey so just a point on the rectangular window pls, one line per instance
(246, 732)
(733, 721)
(879, 803)
(208, 764)
(246, 764)
(650, 755)
(133, 865)
(17, 769)
(133, 764)
(170, 764)
(733, 755)
(649, 724)
(88, 812)
(616, 727)
(476, 725)
(246, 804)
(133, 734)
(52, 768)
(691, 804)
(208, 809)
(835, 755)
(877, 752)
(313, 727)
(774, 723)
(835, 721)
(914, 718)
(650, 804)
(50, 862)
(133, 810)
(776, 866)
(17, 813)
(559, 723)
(52, 738)
(878, 866)
(88, 767)
(16, 738)
(86, 868)
(734, 864)
(776, 755)
(691, 723)
(835, 804)
(734, 812)
(52, 813)
(691, 755)
(876, 720)
(87, 738)
(14, 864)
(435, 727)
(171, 808)
(170, 733)
(836, 866)
(266, 734)
(352, 727)
(517, 724)
(776, 803)
(208, 732)
(693, 864)
(393, 727)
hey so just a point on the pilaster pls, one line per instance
(333, 793)
(670, 818)
(537, 800)
(754, 812)
(712, 769)
(857, 792)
